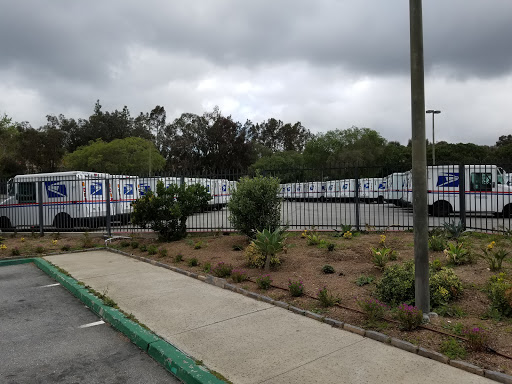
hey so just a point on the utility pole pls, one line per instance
(419, 159)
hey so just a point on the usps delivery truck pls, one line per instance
(486, 191)
(68, 199)
(125, 190)
(396, 187)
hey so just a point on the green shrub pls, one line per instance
(134, 244)
(494, 256)
(15, 251)
(124, 243)
(207, 267)
(453, 349)
(239, 275)
(255, 205)
(296, 288)
(178, 258)
(478, 338)
(331, 247)
(152, 250)
(264, 282)
(269, 243)
(65, 247)
(198, 245)
(437, 243)
(499, 291)
(143, 248)
(326, 298)
(456, 254)
(255, 258)
(381, 256)
(167, 210)
(222, 269)
(162, 252)
(40, 249)
(397, 285)
(409, 316)
(363, 280)
(193, 262)
(373, 309)
(454, 230)
(328, 269)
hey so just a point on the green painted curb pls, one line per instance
(175, 361)
(5, 263)
(179, 364)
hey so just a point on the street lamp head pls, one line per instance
(433, 111)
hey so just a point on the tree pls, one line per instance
(9, 137)
(288, 166)
(130, 156)
(166, 212)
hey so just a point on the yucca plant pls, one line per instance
(269, 244)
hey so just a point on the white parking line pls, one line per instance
(49, 285)
(92, 324)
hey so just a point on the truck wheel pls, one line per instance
(507, 211)
(5, 223)
(63, 221)
(441, 209)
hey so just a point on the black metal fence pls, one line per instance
(366, 198)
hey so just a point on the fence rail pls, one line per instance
(366, 198)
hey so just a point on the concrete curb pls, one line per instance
(170, 357)
(404, 345)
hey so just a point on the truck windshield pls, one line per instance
(10, 187)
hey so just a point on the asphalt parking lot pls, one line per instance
(48, 336)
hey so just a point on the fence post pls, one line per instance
(40, 206)
(462, 195)
(107, 202)
(358, 224)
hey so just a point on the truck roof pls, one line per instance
(80, 174)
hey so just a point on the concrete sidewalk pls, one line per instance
(245, 340)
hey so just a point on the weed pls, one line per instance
(124, 243)
(456, 328)
(15, 251)
(328, 269)
(447, 310)
(436, 265)
(296, 288)
(178, 258)
(477, 338)
(264, 282)
(313, 238)
(143, 248)
(40, 249)
(207, 267)
(198, 245)
(346, 228)
(347, 235)
(381, 256)
(239, 275)
(134, 244)
(364, 280)
(87, 240)
(326, 298)
(222, 269)
(331, 247)
(193, 262)
(162, 252)
(453, 349)
(152, 250)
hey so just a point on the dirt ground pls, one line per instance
(350, 259)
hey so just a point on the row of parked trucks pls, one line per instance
(78, 198)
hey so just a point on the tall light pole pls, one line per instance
(433, 112)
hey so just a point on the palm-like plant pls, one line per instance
(269, 244)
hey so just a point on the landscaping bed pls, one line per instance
(354, 278)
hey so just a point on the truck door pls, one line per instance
(26, 211)
(480, 186)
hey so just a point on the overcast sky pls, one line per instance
(327, 63)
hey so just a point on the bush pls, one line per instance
(239, 275)
(143, 248)
(456, 254)
(331, 247)
(326, 298)
(15, 251)
(162, 252)
(222, 269)
(166, 211)
(373, 309)
(193, 262)
(381, 256)
(124, 243)
(264, 282)
(454, 230)
(40, 249)
(255, 258)
(269, 244)
(152, 250)
(477, 338)
(409, 317)
(207, 267)
(363, 280)
(453, 349)
(397, 285)
(296, 288)
(255, 205)
(134, 244)
(499, 291)
(178, 258)
(437, 243)
(327, 269)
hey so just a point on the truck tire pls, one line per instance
(507, 210)
(5, 223)
(63, 221)
(441, 209)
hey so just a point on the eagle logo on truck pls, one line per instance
(96, 189)
(128, 189)
(54, 189)
(448, 179)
